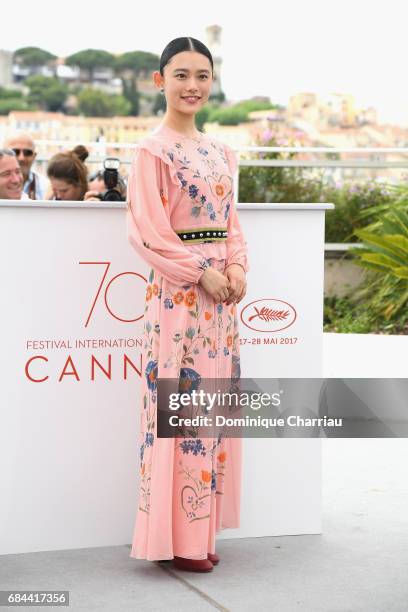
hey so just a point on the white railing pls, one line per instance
(99, 150)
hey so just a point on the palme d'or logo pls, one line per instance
(268, 315)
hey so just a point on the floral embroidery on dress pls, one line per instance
(221, 184)
(195, 337)
(195, 496)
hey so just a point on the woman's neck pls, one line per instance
(182, 123)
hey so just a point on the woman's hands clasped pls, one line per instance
(228, 287)
(238, 285)
(216, 284)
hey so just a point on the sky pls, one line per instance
(273, 49)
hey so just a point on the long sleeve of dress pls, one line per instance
(237, 250)
(148, 224)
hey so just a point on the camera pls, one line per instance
(111, 179)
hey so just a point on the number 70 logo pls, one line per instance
(104, 288)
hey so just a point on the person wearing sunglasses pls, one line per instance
(11, 177)
(35, 184)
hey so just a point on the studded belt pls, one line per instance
(203, 234)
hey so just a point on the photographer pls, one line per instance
(68, 175)
(107, 185)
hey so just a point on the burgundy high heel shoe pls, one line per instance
(213, 558)
(193, 565)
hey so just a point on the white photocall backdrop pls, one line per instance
(72, 302)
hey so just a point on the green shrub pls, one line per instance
(233, 114)
(277, 184)
(10, 93)
(384, 253)
(341, 316)
(379, 304)
(353, 208)
(96, 103)
(13, 104)
(228, 116)
(292, 184)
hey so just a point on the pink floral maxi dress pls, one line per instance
(181, 218)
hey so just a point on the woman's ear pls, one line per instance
(158, 79)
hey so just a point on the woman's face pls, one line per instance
(187, 81)
(65, 191)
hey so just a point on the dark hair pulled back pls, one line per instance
(69, 166)
(184, 43)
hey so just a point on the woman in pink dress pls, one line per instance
(182, 221)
